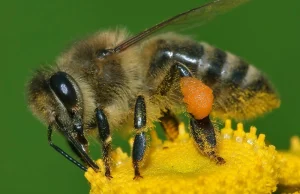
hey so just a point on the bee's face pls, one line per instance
(55, 96)
(69, 89)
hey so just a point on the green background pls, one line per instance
(266, 33)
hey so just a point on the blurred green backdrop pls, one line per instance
(266, 33)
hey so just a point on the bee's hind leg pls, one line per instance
(202, 130)
(104, 134)
(140, 139)
(204, 135)
(169, 120)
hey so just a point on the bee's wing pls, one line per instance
(186, 20)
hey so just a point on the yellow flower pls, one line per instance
(177, 167)
(289, 172)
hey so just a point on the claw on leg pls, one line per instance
(137, 174)
(213, 156)
(138, 177)
(219, 160)
(107, 174)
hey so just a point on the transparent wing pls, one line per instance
(186, 20)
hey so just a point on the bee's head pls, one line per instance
(55, 97)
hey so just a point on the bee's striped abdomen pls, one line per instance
(213, 72)
(241, 91)
(220, 69)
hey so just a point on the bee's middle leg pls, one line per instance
(104, 134)
(170, 123)
(140, 139)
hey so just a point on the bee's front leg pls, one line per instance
(77, 144)
(63, 153)
(104, 134)
(139, 144)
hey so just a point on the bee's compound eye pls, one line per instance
(64, 89)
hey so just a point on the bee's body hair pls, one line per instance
(114, 83)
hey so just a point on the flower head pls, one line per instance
(173, 167)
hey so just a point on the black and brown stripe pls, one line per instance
(218, 68)
(236, 83)
(212, 65)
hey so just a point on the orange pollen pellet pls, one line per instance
(197, 96)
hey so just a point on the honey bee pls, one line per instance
(111, 80)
